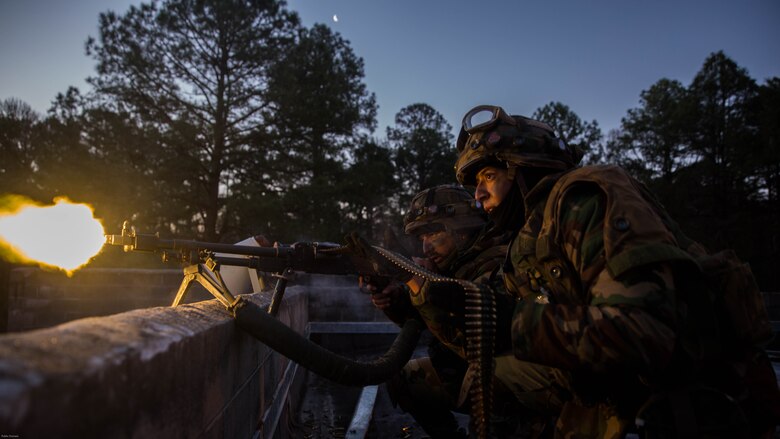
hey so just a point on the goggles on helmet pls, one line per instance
(490, 136)
(483, 117)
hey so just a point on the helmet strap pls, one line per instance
(519, 180)
(510, 213)
(460, 238)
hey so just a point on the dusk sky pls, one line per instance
(595, 56)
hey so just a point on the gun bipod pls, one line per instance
(207, 275)
(281, 285)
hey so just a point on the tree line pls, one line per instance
(220, 120)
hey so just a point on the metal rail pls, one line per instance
(358, 426)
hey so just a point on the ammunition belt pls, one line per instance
(480, 321)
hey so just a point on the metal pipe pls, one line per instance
(279, 337)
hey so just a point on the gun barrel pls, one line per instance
(152, 243)
(184, 244)
(309, 257)
(306, 257)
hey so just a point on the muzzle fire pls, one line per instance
(65, 235)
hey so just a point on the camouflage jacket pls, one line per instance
(479, 263)
(591, 267)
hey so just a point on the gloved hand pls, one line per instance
(393, 300)
(383, 296)
(262, 241)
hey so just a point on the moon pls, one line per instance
(335, 18)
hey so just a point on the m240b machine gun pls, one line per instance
(203, 261)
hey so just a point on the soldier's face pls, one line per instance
(493, 184)
(438, 247)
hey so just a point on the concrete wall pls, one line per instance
(41, 298)
(158, 372)
(152, 372)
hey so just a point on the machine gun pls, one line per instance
(203, 261)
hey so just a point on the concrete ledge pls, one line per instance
(42, 298)
(158, 372)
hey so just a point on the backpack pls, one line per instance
(723, 308)
(725, 320)
(722, 297)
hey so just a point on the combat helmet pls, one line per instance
(489, 136)
(445, 207)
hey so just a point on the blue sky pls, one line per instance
(595, 56)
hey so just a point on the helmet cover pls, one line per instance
(444, 207)
(527, 142)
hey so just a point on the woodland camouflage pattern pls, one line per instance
(479, 263)
(611, 291)
(429, 388)
(447, 206)
(592, 266)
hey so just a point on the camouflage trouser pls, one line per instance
(525, 393)
(429, 396)
(536, 387)
(596, 421)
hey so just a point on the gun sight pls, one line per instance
(127, 239)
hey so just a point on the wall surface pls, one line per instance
(41, 298)
(158, 372)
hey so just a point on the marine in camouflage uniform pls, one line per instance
(457, 243)
(596, 266)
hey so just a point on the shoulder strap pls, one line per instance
(637, 230)
(546, 242)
